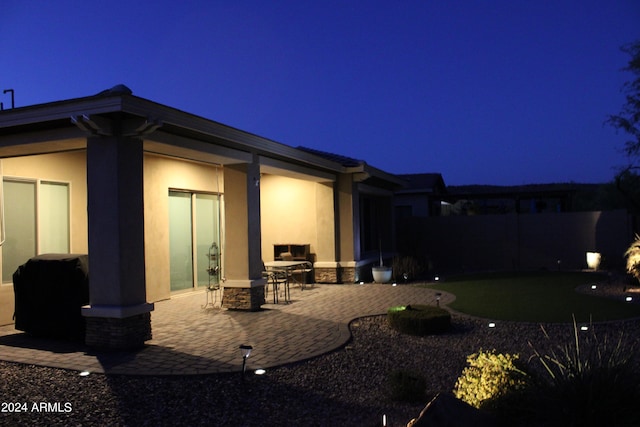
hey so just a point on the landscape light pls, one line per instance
(629, 299)
(593, 287)
(260, 371)
(584, 328)
(245, 351)
(438, 295)
(492, 325)
(84, 373)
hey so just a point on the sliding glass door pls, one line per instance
(194, 239)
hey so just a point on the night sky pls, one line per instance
(500, 92)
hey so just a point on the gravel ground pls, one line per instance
(347, 387)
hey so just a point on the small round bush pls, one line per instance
(419, 319)
(407, 386)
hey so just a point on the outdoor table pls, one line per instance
(289, 267)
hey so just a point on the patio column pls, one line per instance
(244, 285)
(118, 315)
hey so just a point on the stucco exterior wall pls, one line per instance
(61, 167)
(160, 175)
(298, 212)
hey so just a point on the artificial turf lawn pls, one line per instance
(534, 297)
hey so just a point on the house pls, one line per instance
(153, 194)
(530, 198)
(421, 196)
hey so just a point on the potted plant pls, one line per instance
(381, 273)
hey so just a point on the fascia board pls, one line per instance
(279, 167)
(62, 110)
(246, 140)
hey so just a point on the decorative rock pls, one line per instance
(447, 411)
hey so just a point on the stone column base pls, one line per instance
(327, 275)
(117, 327)
(118, 334)
(243, 296)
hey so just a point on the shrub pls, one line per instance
(488, 377)
(407, 386)
(407, 268)
(419, 319)
(633, 258)
(588, 382)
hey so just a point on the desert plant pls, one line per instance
(588, 382)
(633, 258)
(406, 268)
(489, 376)
(419, 319)
(407, 386)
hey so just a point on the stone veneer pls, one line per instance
(243, 298)
(327, 275)
(118, 333)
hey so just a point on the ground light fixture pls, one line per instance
(492, 324)
(629, 299)
(245, 351)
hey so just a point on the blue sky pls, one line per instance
(485, 92)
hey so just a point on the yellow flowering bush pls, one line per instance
(488, 375)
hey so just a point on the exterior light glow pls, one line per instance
(593, 260)
(584, 328)
(492, 325)
(260, 371)
(394, 284)
(629, 299)
(593, 287)
(436, 278)
(84, 373)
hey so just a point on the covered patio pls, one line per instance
(190, 340)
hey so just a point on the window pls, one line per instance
(36, 215)
(375, 224)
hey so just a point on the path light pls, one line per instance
(260, 371)
(584, 328)
(492, 325)
(245, 350)
(594, 287)
(438, 295)
(629, 299)
(84, 373)
(384, 420)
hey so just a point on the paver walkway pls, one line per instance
(188, 339)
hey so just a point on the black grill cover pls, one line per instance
(50, 290)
